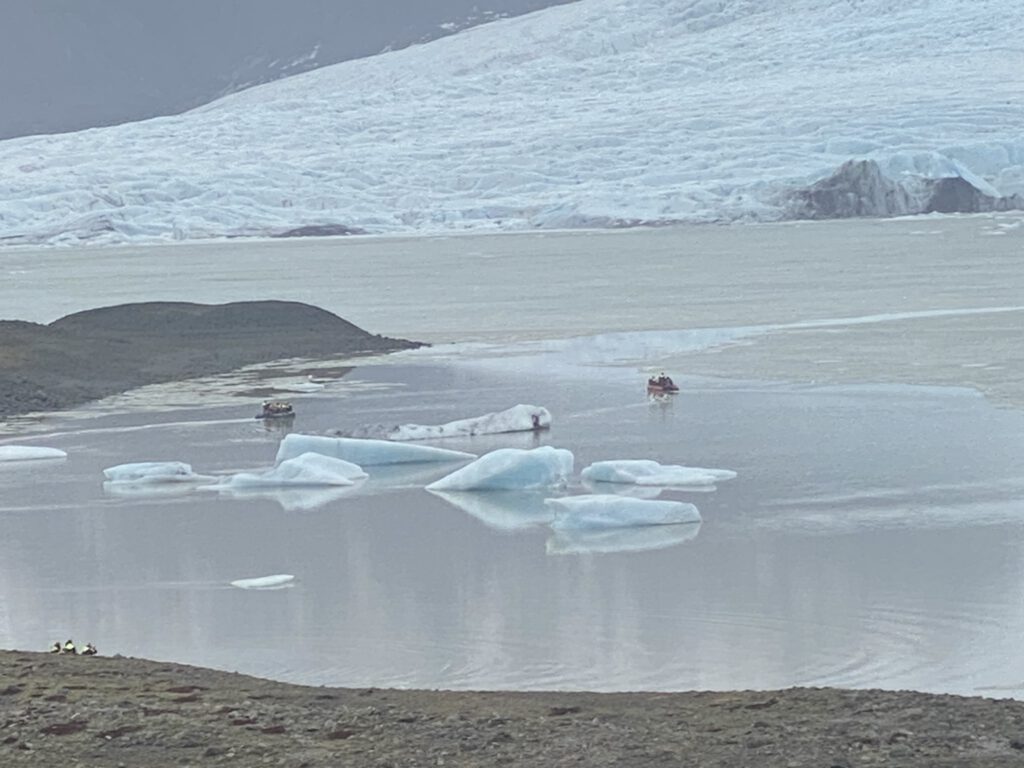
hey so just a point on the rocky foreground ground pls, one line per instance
(89, 355)
(60, 710)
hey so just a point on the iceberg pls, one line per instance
(586, 541)
(518, 418)
(307, 469)
(277, 581)
(502, 510)
(29, 453)
(645, 472)
(154, 472)
(510, 469)
(364, 452)
(611, 511)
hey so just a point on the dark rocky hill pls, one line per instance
(100, 352)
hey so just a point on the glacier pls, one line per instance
(511, 469)
(364, 452)
(600, 113)
(646, 472)
(611, 511)
(518, 418)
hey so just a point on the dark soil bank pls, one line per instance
(58, 710)
(101, 352)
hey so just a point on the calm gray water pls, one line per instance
(874, 536)
(861, 544)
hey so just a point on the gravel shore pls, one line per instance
(60, 710)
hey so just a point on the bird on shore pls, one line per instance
(55, 648)
(89, 650)
(69, 647)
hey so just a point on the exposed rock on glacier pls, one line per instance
(510, 469)
(861, 188)
(957, 195)
(364, 452)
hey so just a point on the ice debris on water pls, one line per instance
(518, 418)
(509, 469)
(306, 469)
(154, 472)
(277, 581)
(29, 453)
(646, 472)
(364, 452)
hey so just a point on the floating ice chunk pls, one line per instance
(29, 453)
(611, 511)
(277, 581)
(510, 469)
(579, 541)
(154, 472)
(502, 510)
(645, 472)
(307, 469)
(364, 452)
(518, 418)
(300, 386)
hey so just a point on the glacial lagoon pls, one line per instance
(860, 378)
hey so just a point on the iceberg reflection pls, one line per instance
(502, 510)
(301, 499)
(593, 541)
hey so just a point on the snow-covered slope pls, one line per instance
(600, 113)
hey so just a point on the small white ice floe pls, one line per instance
(300, 386)
(307, 469)
(611, 511)
(518, 418)
(154, 472)
(645, 472)
(277, 581)
(29, 453)
(364, 452)
(511, 469)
